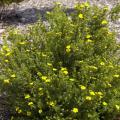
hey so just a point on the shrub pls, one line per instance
(66, 70)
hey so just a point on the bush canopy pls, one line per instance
(67, 69)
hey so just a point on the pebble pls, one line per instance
(2, 30)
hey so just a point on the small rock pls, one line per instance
(23, 20)
(2, 30)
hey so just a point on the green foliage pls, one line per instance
(7, 2)
(66, 70)
(115, 12)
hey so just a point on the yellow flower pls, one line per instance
(99, 93)
(48, 12)
(30, 103)
(101, 97)
(89, 41)
(88, 98)
(93, 67)
(65, 72)
(2, 53)
(58, 33)
(104, 103)
(47, 80)
(102, 63)
(106, 8)
(111, 66)
(19, 111)
(40, 111)
(110, 33)
(94, 17)
(49, 64)
(54, 69)
(82, 5)
(63, 69)
(109, 85)
(29, 113)
(82, 87)
(81, 61)
(81, 16)
(27, 96)
(6, 61)
(44, 77)
(6, 48)
(13, 75)
(88, 36)
(117, 107)
(71, 79)
(44, 55)
(104, 22)
(92, 93)
(17, 108)
(27, 50)
(76, 5)
(75, 110)
(8, 54)
(116, 76)
(22, 43)
(39, 74)
(7, 81)
(68, 48)
(58, 3)
(52, 103)
(40, 89)
(31, 83)
(86, 4)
